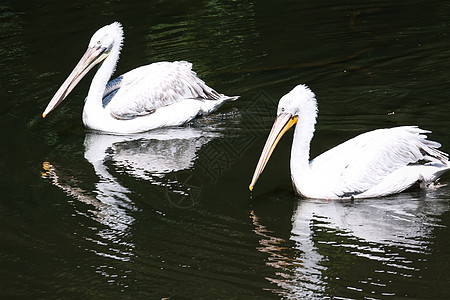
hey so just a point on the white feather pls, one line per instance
(373, 164)
(153, 96)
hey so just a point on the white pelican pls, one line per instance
(152, 96)
(374, 164)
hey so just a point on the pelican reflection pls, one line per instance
(152, 157)
(329, 238)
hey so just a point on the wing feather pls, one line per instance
(144, 90)
(362, 162)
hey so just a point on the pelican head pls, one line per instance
(102, 43)
(289, 109)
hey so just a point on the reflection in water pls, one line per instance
(110, 209)
(390, 236)
(148, 156)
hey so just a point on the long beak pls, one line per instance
(282, 124)
(93, 56)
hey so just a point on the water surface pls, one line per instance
(167, 214)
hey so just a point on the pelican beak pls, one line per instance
(93, 56)
(282, 124)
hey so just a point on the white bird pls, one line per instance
(157, 95)
(376, 163)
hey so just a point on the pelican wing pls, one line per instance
(144, 90)
(362, 162)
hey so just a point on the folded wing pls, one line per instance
(143, 90)
(364, 161)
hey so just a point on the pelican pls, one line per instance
(156, 95)
(374, 164)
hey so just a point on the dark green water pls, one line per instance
(168, 214)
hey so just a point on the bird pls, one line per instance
(160, 94)
(373, 164)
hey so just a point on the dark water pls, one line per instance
(167, 214)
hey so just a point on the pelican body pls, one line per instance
(157, 95)
(374, 164)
